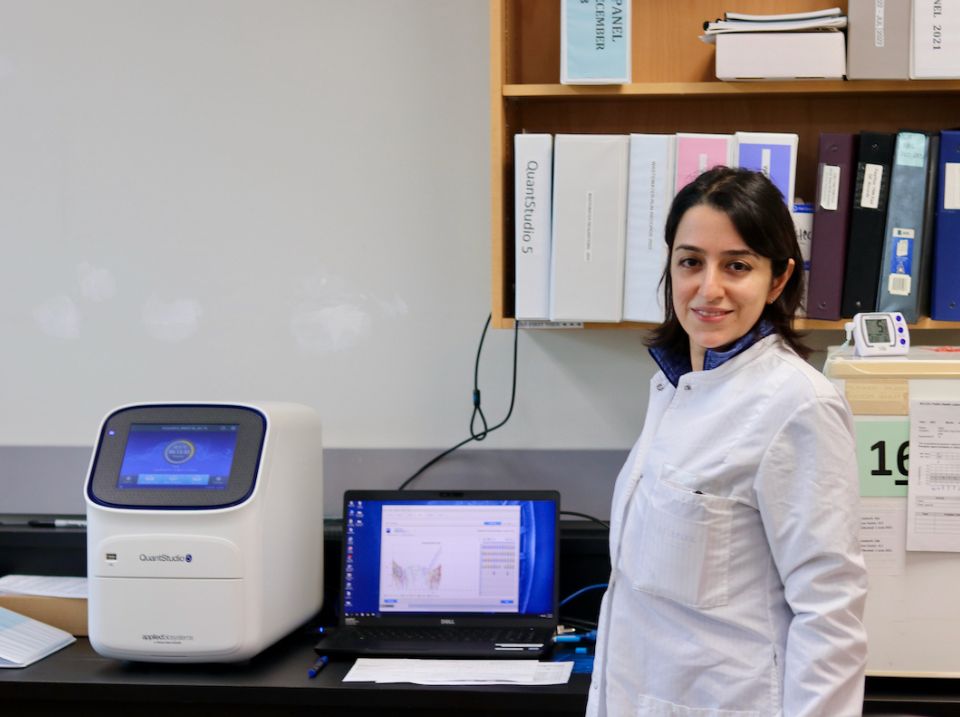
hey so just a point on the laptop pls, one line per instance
(468, 574)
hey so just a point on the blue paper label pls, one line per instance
(771, 159)
(597, 40)
(911, 149)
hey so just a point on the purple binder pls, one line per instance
(831, 222)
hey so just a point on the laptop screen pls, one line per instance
(431, 554)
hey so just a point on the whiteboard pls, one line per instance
(269, 200)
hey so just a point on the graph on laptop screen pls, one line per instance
(407, 557)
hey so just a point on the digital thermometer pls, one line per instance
(882, 333)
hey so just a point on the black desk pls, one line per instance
(77, 680)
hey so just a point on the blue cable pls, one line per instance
(585, 637)
(581, 591)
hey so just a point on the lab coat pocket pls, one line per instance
(652, 707)
(683, 551)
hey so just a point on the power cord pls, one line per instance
(581, 591)
(477, 410)
(587, 517)
(575, 623)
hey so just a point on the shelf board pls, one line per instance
(799, 324)
(727, 89)
(925, 322)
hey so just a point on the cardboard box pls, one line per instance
(68, 614)
(781, 56)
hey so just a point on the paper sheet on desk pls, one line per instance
(23, 641)
(451, 672)
(44, 585)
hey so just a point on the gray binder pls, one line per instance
(905, 267)
(878, 40)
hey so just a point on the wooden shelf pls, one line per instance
(726, 89)
(675, 90)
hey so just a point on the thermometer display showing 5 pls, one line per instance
(881, 333)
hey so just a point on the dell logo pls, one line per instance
(447, 621)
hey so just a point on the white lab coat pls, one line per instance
(737, 587)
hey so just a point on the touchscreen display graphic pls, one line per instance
(178, 456)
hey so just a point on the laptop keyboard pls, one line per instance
(449, 634)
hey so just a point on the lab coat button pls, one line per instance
(686, 387)
(659, 386)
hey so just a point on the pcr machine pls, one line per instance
(203, 537)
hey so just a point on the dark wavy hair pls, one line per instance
(758, 213)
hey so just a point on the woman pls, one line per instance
(737, 586)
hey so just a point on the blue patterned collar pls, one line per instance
(676, 365)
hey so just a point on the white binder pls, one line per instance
(650, 192)
(589, 227)
(533, 184)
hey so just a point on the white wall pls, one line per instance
(283, 199)
(272, 199)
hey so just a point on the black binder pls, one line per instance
(868, 222)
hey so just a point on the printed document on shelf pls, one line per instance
(44, 585)
(933, 495)
(723, 27)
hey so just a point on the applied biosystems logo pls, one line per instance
(165, 637)
(166, 558)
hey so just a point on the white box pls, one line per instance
(781, 56)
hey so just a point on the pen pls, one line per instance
(58, 523)
(318, 665)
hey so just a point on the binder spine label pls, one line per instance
(588, 229)
(803, 224)
(830, 187)
(774, 161)
(879, 23)
(951, 185)
(872, 182)
(899, 285)
(530, 228)
(911, 149)
(901, 264)
(533, 178)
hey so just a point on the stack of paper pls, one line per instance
(779, 47)
(828, 19)
(44, 585)
(57, 601)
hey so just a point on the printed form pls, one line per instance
(933, 496)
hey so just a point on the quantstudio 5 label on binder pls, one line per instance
(595, 42)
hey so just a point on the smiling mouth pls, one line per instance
(711, 313)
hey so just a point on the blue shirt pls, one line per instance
(675, 365)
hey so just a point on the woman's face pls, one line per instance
(720, 285)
